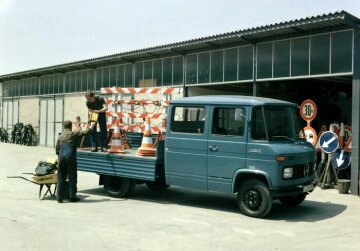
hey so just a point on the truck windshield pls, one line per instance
(275, 123)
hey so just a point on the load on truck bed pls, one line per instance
(248, 146)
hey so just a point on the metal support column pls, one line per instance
(355, 123)
(255, 92)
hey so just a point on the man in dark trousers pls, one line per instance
(66, 150)
(97, 104)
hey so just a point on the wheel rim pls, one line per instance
(252, 199)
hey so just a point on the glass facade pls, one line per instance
(322, 54)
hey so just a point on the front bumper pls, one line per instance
(293, 190)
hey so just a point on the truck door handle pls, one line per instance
(213, 148)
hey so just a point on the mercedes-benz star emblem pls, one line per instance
(306, 170)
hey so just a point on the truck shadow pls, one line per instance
(308, 211)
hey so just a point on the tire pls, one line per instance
(254, 198)
(293, 200)
(118, 187)
(156, 185)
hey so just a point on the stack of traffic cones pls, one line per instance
(116, 141)
(146, 148)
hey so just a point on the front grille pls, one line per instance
(299, 170)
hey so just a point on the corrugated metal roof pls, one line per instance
(257, 34)
(229, 100)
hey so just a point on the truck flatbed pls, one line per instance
(127, 165)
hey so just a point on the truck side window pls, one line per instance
(258, 131)
(188, 119)
(226, 123)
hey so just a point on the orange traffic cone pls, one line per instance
(146, 148)
(116, 142)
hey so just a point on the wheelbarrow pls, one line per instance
(42, 181)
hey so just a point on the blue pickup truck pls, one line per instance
(249, 146)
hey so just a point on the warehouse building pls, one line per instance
(312, 58)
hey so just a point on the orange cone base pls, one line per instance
(112, 150)
(146, 151)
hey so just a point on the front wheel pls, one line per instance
(118, 186)
(293, 200)
(254, 198)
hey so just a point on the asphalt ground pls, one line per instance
(176, 219)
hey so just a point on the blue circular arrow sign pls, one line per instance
(341, 159)
(329, 142)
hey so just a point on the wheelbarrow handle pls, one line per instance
(20, 177)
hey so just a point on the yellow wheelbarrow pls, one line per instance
(42, 181)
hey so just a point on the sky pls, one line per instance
(41, 33)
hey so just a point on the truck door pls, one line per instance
(186, 147)
(226, 146)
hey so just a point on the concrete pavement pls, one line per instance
(177, 219)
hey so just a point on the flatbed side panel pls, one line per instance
(142, 169)
(94, 163)
(124, 165)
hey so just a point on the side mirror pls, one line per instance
(239, 114)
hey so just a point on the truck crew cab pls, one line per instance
(229, 144)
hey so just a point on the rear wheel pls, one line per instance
(293, 200)
(254, 198)
(118, 186)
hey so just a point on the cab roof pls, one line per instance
(230, 100)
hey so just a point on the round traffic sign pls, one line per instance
(341, 159)
(310, 135)
(308, 110)
(329, 142)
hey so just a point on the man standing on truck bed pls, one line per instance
(97, 104)
(66, 150)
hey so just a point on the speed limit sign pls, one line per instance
(308, 110)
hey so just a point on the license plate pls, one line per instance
(308, 188)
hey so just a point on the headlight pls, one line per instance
(288, 173)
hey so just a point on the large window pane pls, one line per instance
(204, 67)
(106, 77)
(191, 69)
(73, 81)
(84, 81)
(341, 52)
(67, 82)
(60, 83)
(148, 70)
(98, 79)
(230, 64)
(217, 66)
(282, 59)
(139, 73)
(158, 72)
(178, 71)
(167, 71)
(246, 62)
(78, 81)
(300, 56)
(128, 75)
(264, 60)
(320, 54)
(90, 79)
(112, 81)
(120, 81)
(148, 82)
